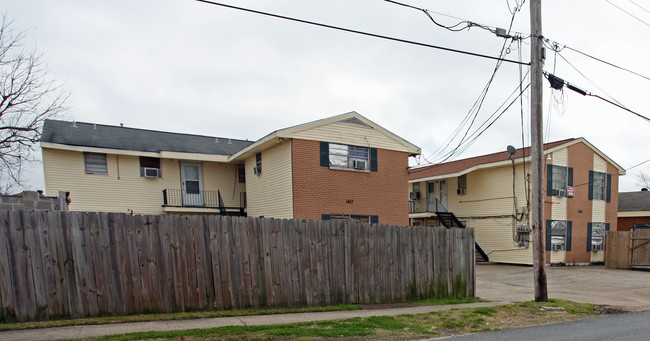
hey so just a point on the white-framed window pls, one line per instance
(599, 185)
(559, 180)
(352, 157)
(558, 235)
(598, 236)
(95, 163)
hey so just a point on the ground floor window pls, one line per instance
(596, 236)
(371, 219)
(558, 235)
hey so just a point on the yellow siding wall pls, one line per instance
(598, 207)
(124, 189)
(350, 134)
(487, 207)
(559, 205)
(271, 193)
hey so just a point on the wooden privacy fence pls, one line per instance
(65, 264)
(628, 249)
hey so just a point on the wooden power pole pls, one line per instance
(537, 152)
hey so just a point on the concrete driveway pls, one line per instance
(625, 289)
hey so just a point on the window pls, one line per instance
(340, 156)
(150, 167)
(416, 191)
(558, 235)
(258, 164)
(241, 174)
(599, 186)
(596, 236)
(558, 178)
(372, 219)
(462, 185)
(95, 163)
(344, 156)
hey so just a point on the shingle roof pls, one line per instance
(123, 138)
(461, 165)
(634, 201)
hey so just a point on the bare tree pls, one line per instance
(27, 98)
(643, 180)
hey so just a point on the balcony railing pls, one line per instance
(201, 199)
(426, 205)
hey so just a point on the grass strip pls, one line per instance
(437, 323)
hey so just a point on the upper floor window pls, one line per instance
(349, 157)
(462, 185)
(558, 178)
(241, 173)
(599, 186)
(95, 163)
(149, 167)
(258, 164)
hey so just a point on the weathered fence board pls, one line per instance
(62, 264)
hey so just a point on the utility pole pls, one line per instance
(537, 151)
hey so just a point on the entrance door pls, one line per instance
(191, 178)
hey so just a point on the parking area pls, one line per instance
(625, 289)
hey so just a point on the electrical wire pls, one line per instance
(477, 133)
(587, 78)
(628, 13)
(587, 93)
(637, 165)
(440, 155)
(608, 63)
(460, 26)
(359, 32)
(639, 6)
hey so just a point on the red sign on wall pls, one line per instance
(570, 191)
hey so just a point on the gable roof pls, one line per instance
(464, 166)
(122, 138)
(351, 118)
(634, 201)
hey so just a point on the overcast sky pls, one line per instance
(191, 67)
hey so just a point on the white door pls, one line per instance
(192, 183)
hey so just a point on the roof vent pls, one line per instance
(216, 139)
(95, 126)
(74, 124)
(229, 141)
(121, 124)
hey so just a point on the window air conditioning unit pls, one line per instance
(257, 170)
(559, 192)
(151, 172)
(414, 195)
(596, 247)
(358, 164)
(556, 247)
(461, 191)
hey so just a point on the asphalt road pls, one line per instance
(631, 326)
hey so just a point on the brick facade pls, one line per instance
(320, 190)
(579, 207)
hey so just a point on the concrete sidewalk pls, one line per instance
(74, 332)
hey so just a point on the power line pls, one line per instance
(608, 63)
(488, 126)
(637, 165)
(361, 32)
(628, 13)
(639, 6)
(475, 109)
(462, 25)
(558, 83)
